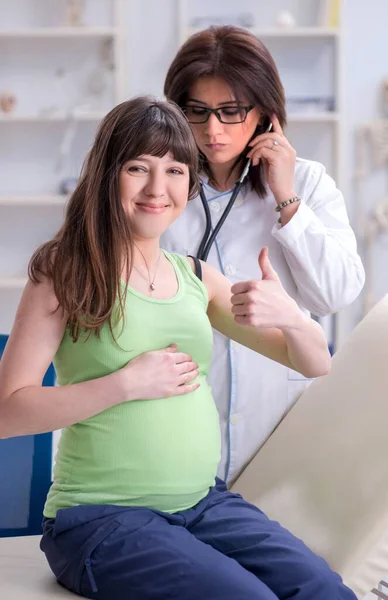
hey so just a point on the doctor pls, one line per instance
(227, 83)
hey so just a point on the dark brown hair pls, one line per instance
(85, 258)
(247, 67)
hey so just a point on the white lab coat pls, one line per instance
(315, 256)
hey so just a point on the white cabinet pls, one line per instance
(64, 74)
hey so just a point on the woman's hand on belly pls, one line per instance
(159, 374)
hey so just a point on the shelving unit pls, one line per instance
(309, 59)
(49, 67)
(56, 32)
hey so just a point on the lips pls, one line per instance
(152, 208)
(215, 146)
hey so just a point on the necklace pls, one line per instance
(151, 282)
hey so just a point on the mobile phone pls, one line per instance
(265, 127)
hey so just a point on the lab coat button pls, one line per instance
(235, 418)
(215, 206)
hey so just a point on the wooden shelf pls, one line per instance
(298, 32)
(51, 118)
(323, 117)
(59, 32)
(91, 117)
(37, 200)
(292, 32)
(11, 283)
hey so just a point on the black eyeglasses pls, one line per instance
(227, 114)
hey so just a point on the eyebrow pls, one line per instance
(147, 160)
(219, 104)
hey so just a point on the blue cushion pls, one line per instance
(25, 476)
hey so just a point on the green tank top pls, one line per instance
(162, 454)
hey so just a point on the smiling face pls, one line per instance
(221, 143)
(153, 193)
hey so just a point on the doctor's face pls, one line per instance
(221, 143)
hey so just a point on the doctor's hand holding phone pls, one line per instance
(278, 157)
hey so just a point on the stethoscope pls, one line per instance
(207, 238)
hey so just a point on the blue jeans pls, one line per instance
(221, 549)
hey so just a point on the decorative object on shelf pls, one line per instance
(376, 136)
(384, 98)
(66, 143)
(74, 12)
(68, 185)
(246, 20)
(285, 19)
(89, 100)
(329, 13)
(51, 110)
(376, 223)
(378, 131)
(7, 102)
(97, 81)
(371, 155)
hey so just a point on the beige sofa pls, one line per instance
(323, 473)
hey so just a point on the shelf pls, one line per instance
(324, 117)
(298, 32)
(13, 283)
(292, 117)
(38, 200)
(294, 32)
(59, 32)
(53, 118)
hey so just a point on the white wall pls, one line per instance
(365, 65)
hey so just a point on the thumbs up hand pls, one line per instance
(267, 270)
(264, 303)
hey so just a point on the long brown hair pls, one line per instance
(85, 258)
(247, 67)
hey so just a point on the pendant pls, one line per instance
(152, 286)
